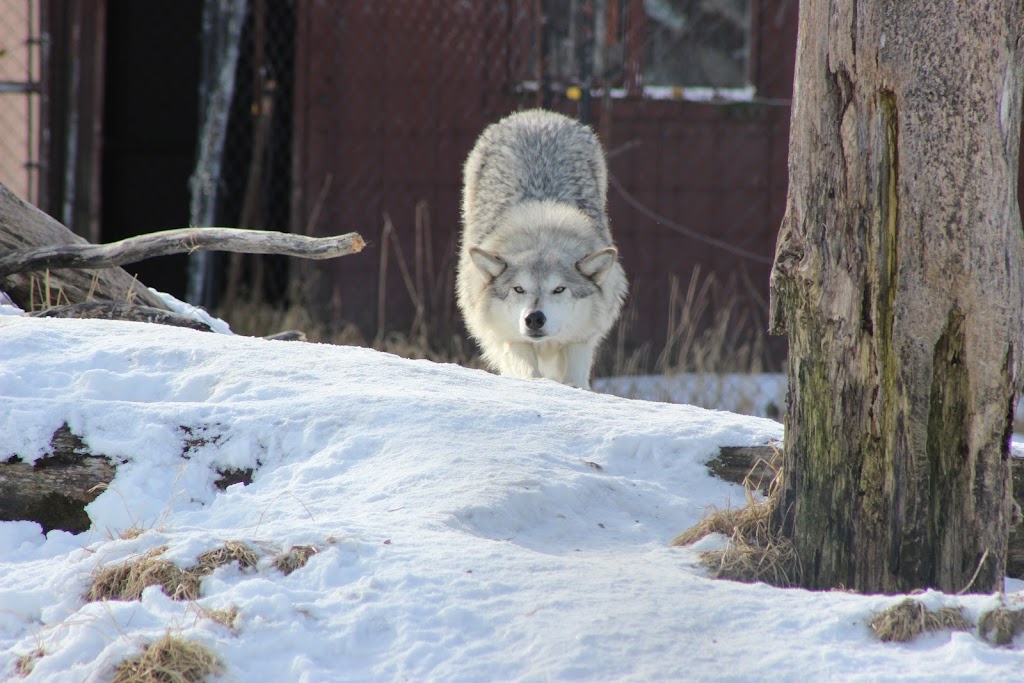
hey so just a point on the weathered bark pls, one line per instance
(110, 311)
(178, 241)
(55, 489)
(23, 226)
(753, 464)
(898, 279)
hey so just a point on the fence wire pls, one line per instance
(19, 96)
(358, 115)
(690, 97)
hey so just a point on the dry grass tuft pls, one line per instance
(131, 533)
(127, 580)
(224, 617)
(24, 664)
(294, 558)
(756, 551)
(169, 660)
(748, 522)
(773, 562)
(1001, 625)
(231, 551)
(908, 619)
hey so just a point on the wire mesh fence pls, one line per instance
(690, 98)
(324, 118)
(19, 96)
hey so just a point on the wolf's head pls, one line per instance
(540, 296)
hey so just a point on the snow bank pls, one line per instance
(471, 527)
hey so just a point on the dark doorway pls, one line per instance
(150, 127)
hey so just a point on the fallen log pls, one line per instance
(757, 465)
(143, 314)
(111, 311)
(55, 489)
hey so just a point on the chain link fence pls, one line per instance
(19, 96)
(323, 118)
(690, 98)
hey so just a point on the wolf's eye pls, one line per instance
(518, 290)
(558, 290)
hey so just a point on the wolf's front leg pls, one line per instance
(518, 360)
(579, 359)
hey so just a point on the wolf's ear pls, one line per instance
(488, 262)
(595, 265)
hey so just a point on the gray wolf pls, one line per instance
(538, 281)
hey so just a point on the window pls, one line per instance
(696, 42)
(656, 48)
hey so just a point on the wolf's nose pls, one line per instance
(535, 320)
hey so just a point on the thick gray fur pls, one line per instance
(533, 155)
(536, 239)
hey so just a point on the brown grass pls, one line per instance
(231, 551)
(711, 329)
(224, 617)
(1001, 625)
(127, 580)
(24, 664)
(714, 325)
(294, 558)
(169, 660)
(908, 619)
(755, 551)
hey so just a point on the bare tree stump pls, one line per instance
(898, 280)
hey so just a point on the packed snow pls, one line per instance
(470, 527)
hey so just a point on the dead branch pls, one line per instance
(178, 241)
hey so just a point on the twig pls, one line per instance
(977, 570)
(318, 206)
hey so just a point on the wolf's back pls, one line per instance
(533, 155)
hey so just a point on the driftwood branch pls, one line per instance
(178, 241)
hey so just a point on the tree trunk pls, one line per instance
(898, 279)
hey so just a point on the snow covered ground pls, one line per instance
(471, 527)
(761, 395)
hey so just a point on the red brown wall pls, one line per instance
(391, 96)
